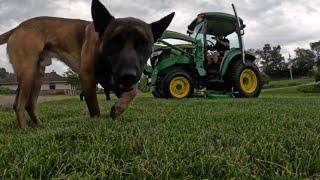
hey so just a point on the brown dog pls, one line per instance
(107, 49)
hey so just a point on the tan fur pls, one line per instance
(123, 102)
(33, 44)
(4, 37)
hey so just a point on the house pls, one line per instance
(52, 83)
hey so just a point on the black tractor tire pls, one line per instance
(244, 80)
(156, 93)
(181, 79)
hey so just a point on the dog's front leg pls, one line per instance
(123, 102)
(89, 57)
(89, 92)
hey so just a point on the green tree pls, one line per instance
(304, 62)
(272, 60)
(316, 48)
(73, 79)
(3, 73)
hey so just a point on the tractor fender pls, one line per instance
(231, 56)
(171, 62)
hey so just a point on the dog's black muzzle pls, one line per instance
(128, 77)
(129, 80)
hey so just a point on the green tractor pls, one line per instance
(179, 63)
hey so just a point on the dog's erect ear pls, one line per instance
(101, 17)
(160, 26)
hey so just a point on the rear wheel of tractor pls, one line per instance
(245, 79)
(178, 85)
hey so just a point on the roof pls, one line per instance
(219, 24)
(52, 77)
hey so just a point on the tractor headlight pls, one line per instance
(155, 54)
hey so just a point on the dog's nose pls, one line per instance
(129, 79)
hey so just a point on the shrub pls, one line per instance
(265, 79)
(293, 84)
(317, 76)
(143, 84)
(314, 88)
(5, 90)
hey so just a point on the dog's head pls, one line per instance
(126, 43)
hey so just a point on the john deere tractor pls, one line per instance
(179, 65)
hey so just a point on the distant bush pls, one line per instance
(5, 90)
(287, 83)
(317, 76)
(265, 79)
(293, 84)
(314, 88)
(143, 84)
(100, 91)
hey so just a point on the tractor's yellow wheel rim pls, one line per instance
(179, 87)
(248, 81)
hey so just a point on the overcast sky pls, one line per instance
(290, 23)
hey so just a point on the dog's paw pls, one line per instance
(24, 128)
(36, 121)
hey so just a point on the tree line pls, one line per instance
(302, 64)
(3, 73)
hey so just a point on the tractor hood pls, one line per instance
(175, 36)
(178, 36)
(218, 24)
(158, 47)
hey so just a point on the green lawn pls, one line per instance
(275, 136)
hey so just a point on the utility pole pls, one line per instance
(290, 66)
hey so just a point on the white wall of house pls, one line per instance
(58, 86)
(63, 86)
(45, 87)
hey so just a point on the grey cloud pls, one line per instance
(19, 10)
(285, 22)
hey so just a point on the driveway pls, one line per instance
(8, 100)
